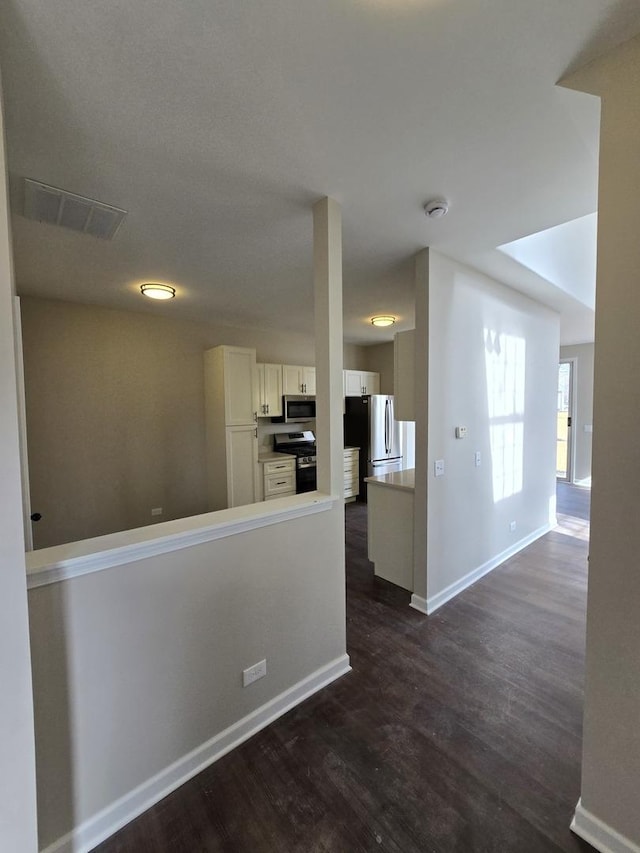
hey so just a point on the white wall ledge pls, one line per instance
(63, 562)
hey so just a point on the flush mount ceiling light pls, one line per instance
(383, 320)
(436, 208)
(158, 291)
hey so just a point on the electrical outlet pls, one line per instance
(157, 510)
(512, 526)
(438, 468)
(478, 459)
(253, 673)
(461, 432)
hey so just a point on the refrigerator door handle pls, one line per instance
(387, 427)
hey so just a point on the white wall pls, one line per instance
(136, 666)
(493, 368)
(379, 359)
(611, 744)
(354, 357)
(17, 763)
(583, 356)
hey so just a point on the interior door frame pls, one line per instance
(22, 426)
(572, 362)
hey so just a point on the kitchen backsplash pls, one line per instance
(266, 430)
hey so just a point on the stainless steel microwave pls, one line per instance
(297, 408)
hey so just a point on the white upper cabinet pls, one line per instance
(240, 393)
(309, 380)
(269, 390)
(298, 380)
(371, 382)
(359, 382)
(352, 380)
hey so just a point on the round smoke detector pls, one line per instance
(436, 208)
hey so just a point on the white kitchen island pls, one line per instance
(390, 526)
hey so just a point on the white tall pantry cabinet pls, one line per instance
(231, 426)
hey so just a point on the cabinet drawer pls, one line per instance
(278, 484)
(352, 492)
(284, 467)
(350, 465)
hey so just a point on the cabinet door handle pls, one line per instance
(267, 408)
(255, 432)
(255, 417)
(281, 483)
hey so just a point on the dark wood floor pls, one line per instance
(455, 733)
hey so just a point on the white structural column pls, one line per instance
(608, 814)
(327, 267)
(421, 378)
(17, 759)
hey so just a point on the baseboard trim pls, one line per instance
(418, 603)
(432, 603)
(599, 834)
(101, 826)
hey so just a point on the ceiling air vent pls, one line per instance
(59, 207)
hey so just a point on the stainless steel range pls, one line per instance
(302, 445)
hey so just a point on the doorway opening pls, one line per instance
(564, 444)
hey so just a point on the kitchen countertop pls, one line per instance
(350, 447)
(270, 456)
(402, 480)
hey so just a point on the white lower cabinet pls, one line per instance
(279, 479)
(242, 458)
(390, 529)
(351, 473)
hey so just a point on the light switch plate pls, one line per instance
(438, 467)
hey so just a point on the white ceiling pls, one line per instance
(564, 254)
(218, 124)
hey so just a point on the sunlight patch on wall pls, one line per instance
(505, 369)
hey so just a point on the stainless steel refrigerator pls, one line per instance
(369, 424)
